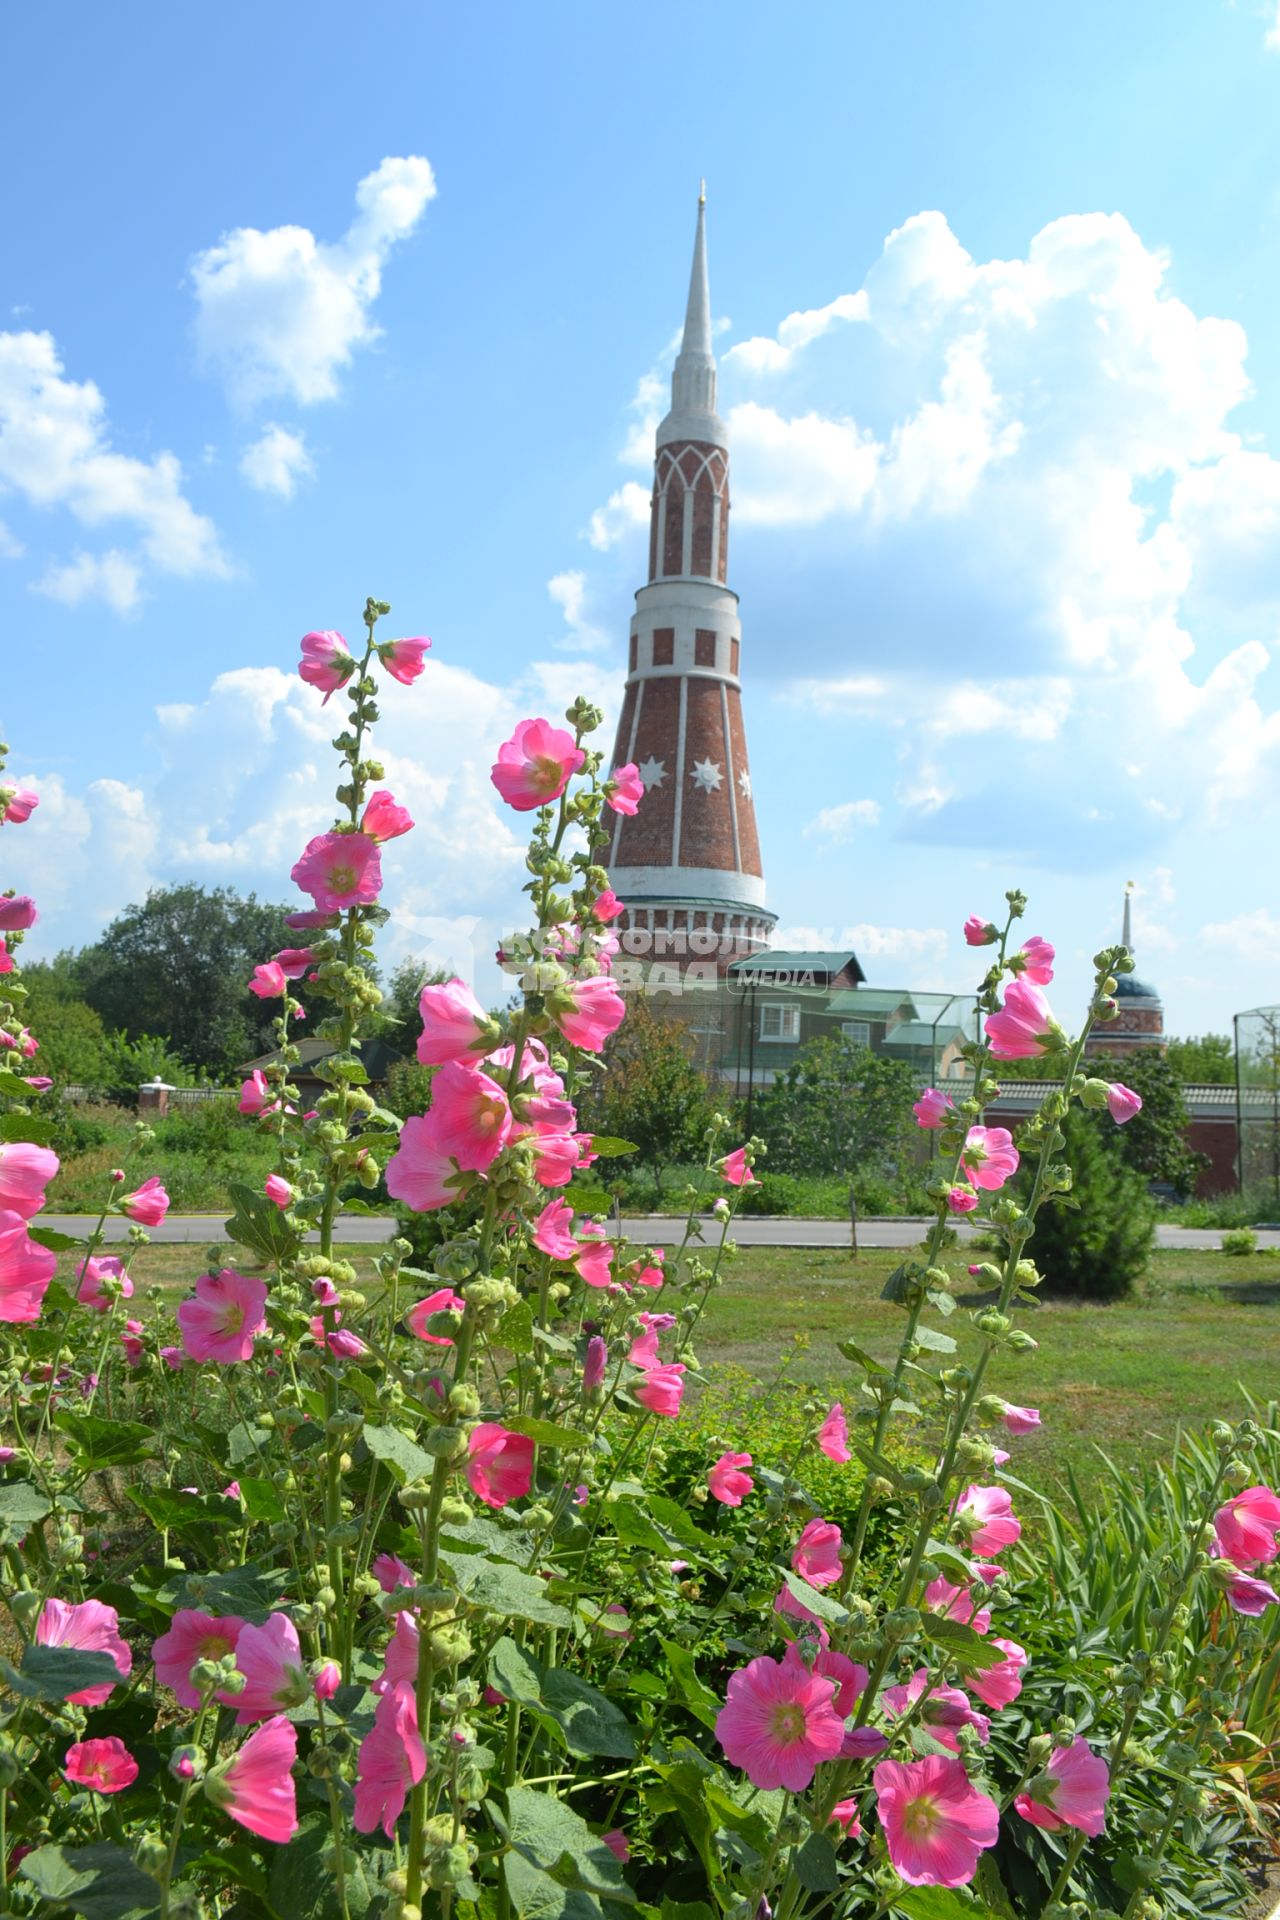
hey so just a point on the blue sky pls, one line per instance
(996, 296)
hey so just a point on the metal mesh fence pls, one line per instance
(1257, 1041)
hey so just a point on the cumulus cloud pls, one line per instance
(1250, 936)
(11, 548)
(836, 824)
(895, 956)
(569, 592)
(276, 461)
(624, 510)
(282, 313)
(1273, 33)
(56, 452)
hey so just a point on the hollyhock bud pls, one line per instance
(17, 913)
(833, 1436)
(326, 1679)
(17, 804)
(384, 818)
(933, 1109)
(268, 981)
(278, 1191)
(595, 1364)
(147, 1204)
(1122, 1102)
(961, 1199)
(535, 766)
(403, 659)
(979, 932)
(326, 662)
(339, 870)
(606, 906)
(294, 961)
(624, 790)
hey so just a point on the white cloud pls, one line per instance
(762, 355)
(836, 824)
(1273, 33)
(111, 576)
(569, 591)
(797, 471)
(1249, 936)
(276, 461)
(55, 450)
(624, 510)
(893, 956)
(281, 312)
(11, 548)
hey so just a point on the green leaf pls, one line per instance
(504, 1590)
(935, 1342)
(589, 1724)
(901, 1281)
(852, 1351)
(184, 1512)
(820, 1604)
(55, 1673)
(967, 1648)
(815, 1865)
(301, 1881)
(941, 1301)
(481, 1534)
(262, 1500)
(98, 1442)
(877, 1462)
(700, 1700)
(26, 1127)
(259, 1224)
(247, 1443)
(15, 1087)
(607, 1148)
(406, 1460)
(551, 1835)
(249, 1591)
(535, 1895)
(52, 1241)
(515, 1329)
(546, 1434)
(584, 1198)
(22, 1507)
(99, 1882)
(940, 1903)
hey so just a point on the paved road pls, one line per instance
(201, 1229)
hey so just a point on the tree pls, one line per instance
(177, 966)
(1098, 1247)
(1154, 1142)
(651, 1092)
(1208, 1060)
(71, 1035)
(840, 1109)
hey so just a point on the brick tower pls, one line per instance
(1139, 1020)
(688, 864)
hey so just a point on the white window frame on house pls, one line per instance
(859, 1031)
(785, 1017)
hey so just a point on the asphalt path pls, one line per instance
(658, 1230)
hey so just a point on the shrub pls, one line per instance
(1240, 1240)
(1095, 1242)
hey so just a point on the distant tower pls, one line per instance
(688, 864)
(1140, 1020)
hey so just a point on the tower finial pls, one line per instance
(702, 193)
(693, 381)
(1127, 933)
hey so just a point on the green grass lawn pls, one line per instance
(1120, 1377)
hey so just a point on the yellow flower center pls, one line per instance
(787, 1721)
(342, 879)
(919, 1816)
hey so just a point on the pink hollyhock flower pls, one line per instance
(255, 1095)
(556, 1156)
(551, 1233)
(400, 1662)
(1251, 1596)
(849, 1676)
(470, 1116)
(816, 1556)
(961, 1199)
(644, 1350)
(1000, 1686)
(786, 1603)
(989, 1156)
(269, 981)
(147, 1204)
(778, 1723)
(844, 1815)
(337, 1340)
(384, 818)
(25, 1172)
(220, 1322)
(420, 1315)
(39, 1082)
(275, 1674)
(92, 1273)
(945, 1711)
(624, 789)
(735, 1170)
(862, 1743)
(6, 959)
(392, 1759)
(595, 1365)
(661, 1389)
(1247, 1526)
(17, 804)
(1073, 1791)
(454, 1026)
(294, 961)
(306, 919)
(326, 662)
(420, 1172)
(535, 765)
(979, 932)
(592, 1257)
(935, 1821)
(499, 1463)
(933, 1109)
(403, 659)
(26, 1268)
(326, 1680)
(104, 1766)
(92, 1628)
(650, 1275)
(390, 1572)
(278, 1191)
(1020, 1419)
(339, 870)
(727, 1481)
(833, 1436)
(606, 906)
(1024, 1027)
(616, 1841)
(191, 1636)
(131, 1341)
(1035, 962)
(587, 1011)
(256, 1786)
(17, 913)
(956, 1603)
(1122, 1102)
(986, 1514)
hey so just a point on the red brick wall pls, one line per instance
(644, 838)
(1217, 1138)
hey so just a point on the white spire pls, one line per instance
(1127, 935)
(693, 381)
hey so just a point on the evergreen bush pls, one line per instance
(1094, 1243)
